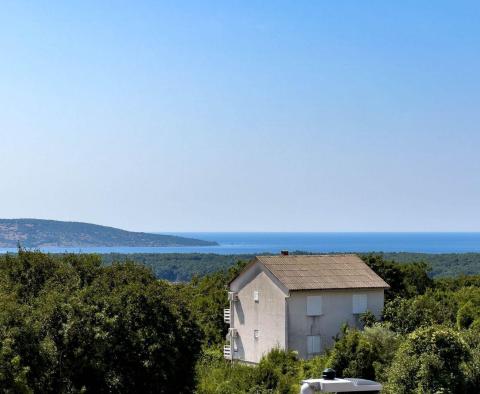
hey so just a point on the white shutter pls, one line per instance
(314, 305)
(359, 303)
(313, 344)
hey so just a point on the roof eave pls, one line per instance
(342, 288)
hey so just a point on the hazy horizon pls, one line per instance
(305, 116)
(186, 232)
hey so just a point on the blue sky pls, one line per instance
(242, 116)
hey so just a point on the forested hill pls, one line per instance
(34, 233)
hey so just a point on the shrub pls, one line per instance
(429, 361)
(466, 315)
(364, 354)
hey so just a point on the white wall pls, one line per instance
(337, 308)
(268, 315)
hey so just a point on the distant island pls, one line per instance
(37, 233)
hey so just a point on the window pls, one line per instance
(314, 306)
(313, 344)
(255, 296)
(256, 334)
(235, 346)
(359, 303)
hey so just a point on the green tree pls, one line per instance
(367, 319)
(429, 361)
(405, 280)
(434, 307)
(278, 371)
(472, 367)
(67, 324)
(466, 315)
(363, 354)
(208, 298)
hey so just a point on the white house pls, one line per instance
(298, 302)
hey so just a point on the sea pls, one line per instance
(256, 242)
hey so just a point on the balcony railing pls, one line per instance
(227, 352)
(226, 316)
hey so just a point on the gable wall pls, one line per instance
(268, 315)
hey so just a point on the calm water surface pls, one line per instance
(247, 243)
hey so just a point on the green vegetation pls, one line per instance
(36, 233)
(70, 324)
(442, 264)
(184, 266)
(430, 360)
(179, 267)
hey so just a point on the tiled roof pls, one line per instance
(311, 272)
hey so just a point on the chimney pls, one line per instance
(284, 253)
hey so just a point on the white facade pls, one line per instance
(258, 315)
(264, 314)
(337, 308)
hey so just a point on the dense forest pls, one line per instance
(179, 267)
(184, 266)
(70, 324)
(442, 264)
